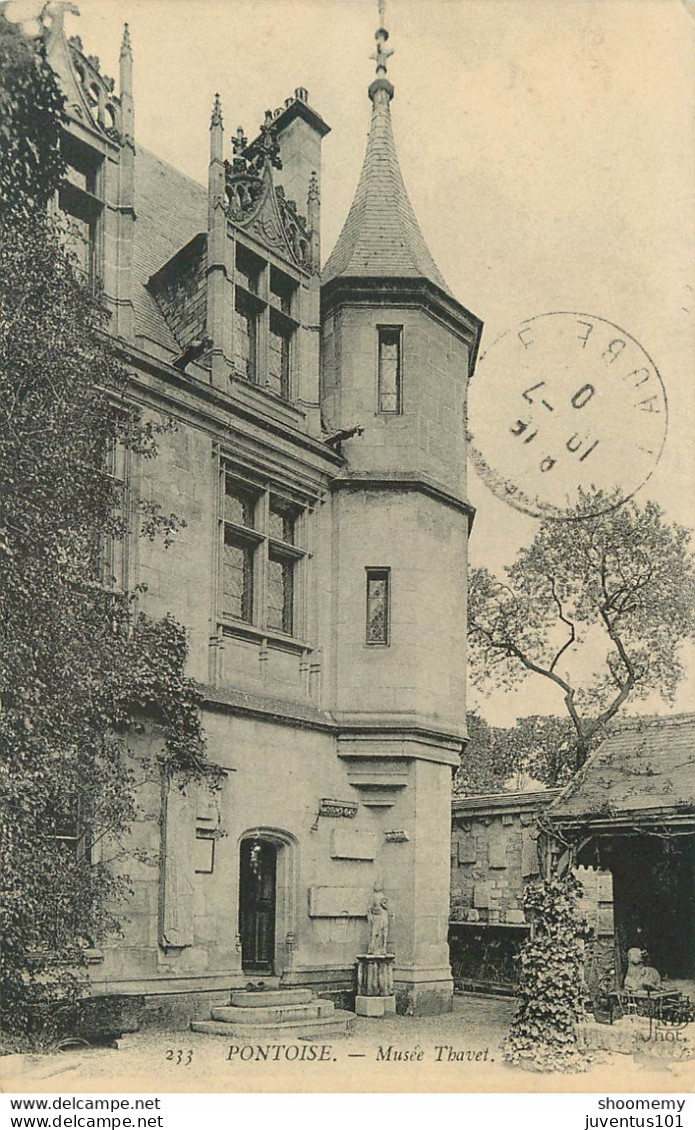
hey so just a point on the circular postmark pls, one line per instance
(565, 403)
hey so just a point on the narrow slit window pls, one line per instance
(390, 369)
(378, 597)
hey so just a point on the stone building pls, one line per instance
(320, 464)
(629, 817)
(626, 825)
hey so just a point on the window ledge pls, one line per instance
(269, 636)
(253, 391)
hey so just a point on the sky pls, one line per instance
(546, 146)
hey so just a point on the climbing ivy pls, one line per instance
(82, 672)
(542, 1035)
(31, 111)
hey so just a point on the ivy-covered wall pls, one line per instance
(494, 855)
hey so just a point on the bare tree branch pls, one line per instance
(566, 621)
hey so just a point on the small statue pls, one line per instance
(640, 976)
(378, 917)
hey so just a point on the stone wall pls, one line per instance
(494, 854)
(597, 908)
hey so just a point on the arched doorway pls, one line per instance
(266, 901)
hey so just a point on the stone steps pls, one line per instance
(273, 1014)
(268, 983)
(276, 1014)
(323, 1027)
(242, 998)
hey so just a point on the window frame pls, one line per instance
(265, 546)
(84, 203)
(79, 837)
(270, 296)
(113, 551)
(395, 333)
(378, 573)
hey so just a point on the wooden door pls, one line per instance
(257, 884)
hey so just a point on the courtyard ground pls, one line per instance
(460, 1052)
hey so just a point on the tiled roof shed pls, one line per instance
(497, 804)
(642, 774)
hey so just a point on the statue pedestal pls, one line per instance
(375, 995)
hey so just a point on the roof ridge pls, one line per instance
(652, 721)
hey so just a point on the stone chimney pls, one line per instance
(299, 131)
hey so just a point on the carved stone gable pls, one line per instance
(256, 206)
(97, 92)
(89, 95)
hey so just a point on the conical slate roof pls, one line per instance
(381, 237)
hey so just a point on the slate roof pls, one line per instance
(644, 770)
(381, 237)
(487, 804)
(170, 210)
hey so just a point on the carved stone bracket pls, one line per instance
(347, 808)
(396, 836)
(335, 808)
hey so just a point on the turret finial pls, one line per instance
(314, 194)
(382, 53)
(126, 45)
(216, 119)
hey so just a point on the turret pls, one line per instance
(398, 348)
(397, 351)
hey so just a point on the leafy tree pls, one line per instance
(80, 670)
(543, 748)
(31, 111)
(595, 605)
(488, 761)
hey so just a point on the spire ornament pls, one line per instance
(126, 45)
(382, 53)
(216, 119)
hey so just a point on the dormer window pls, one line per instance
(265, 323)
(80, 200)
